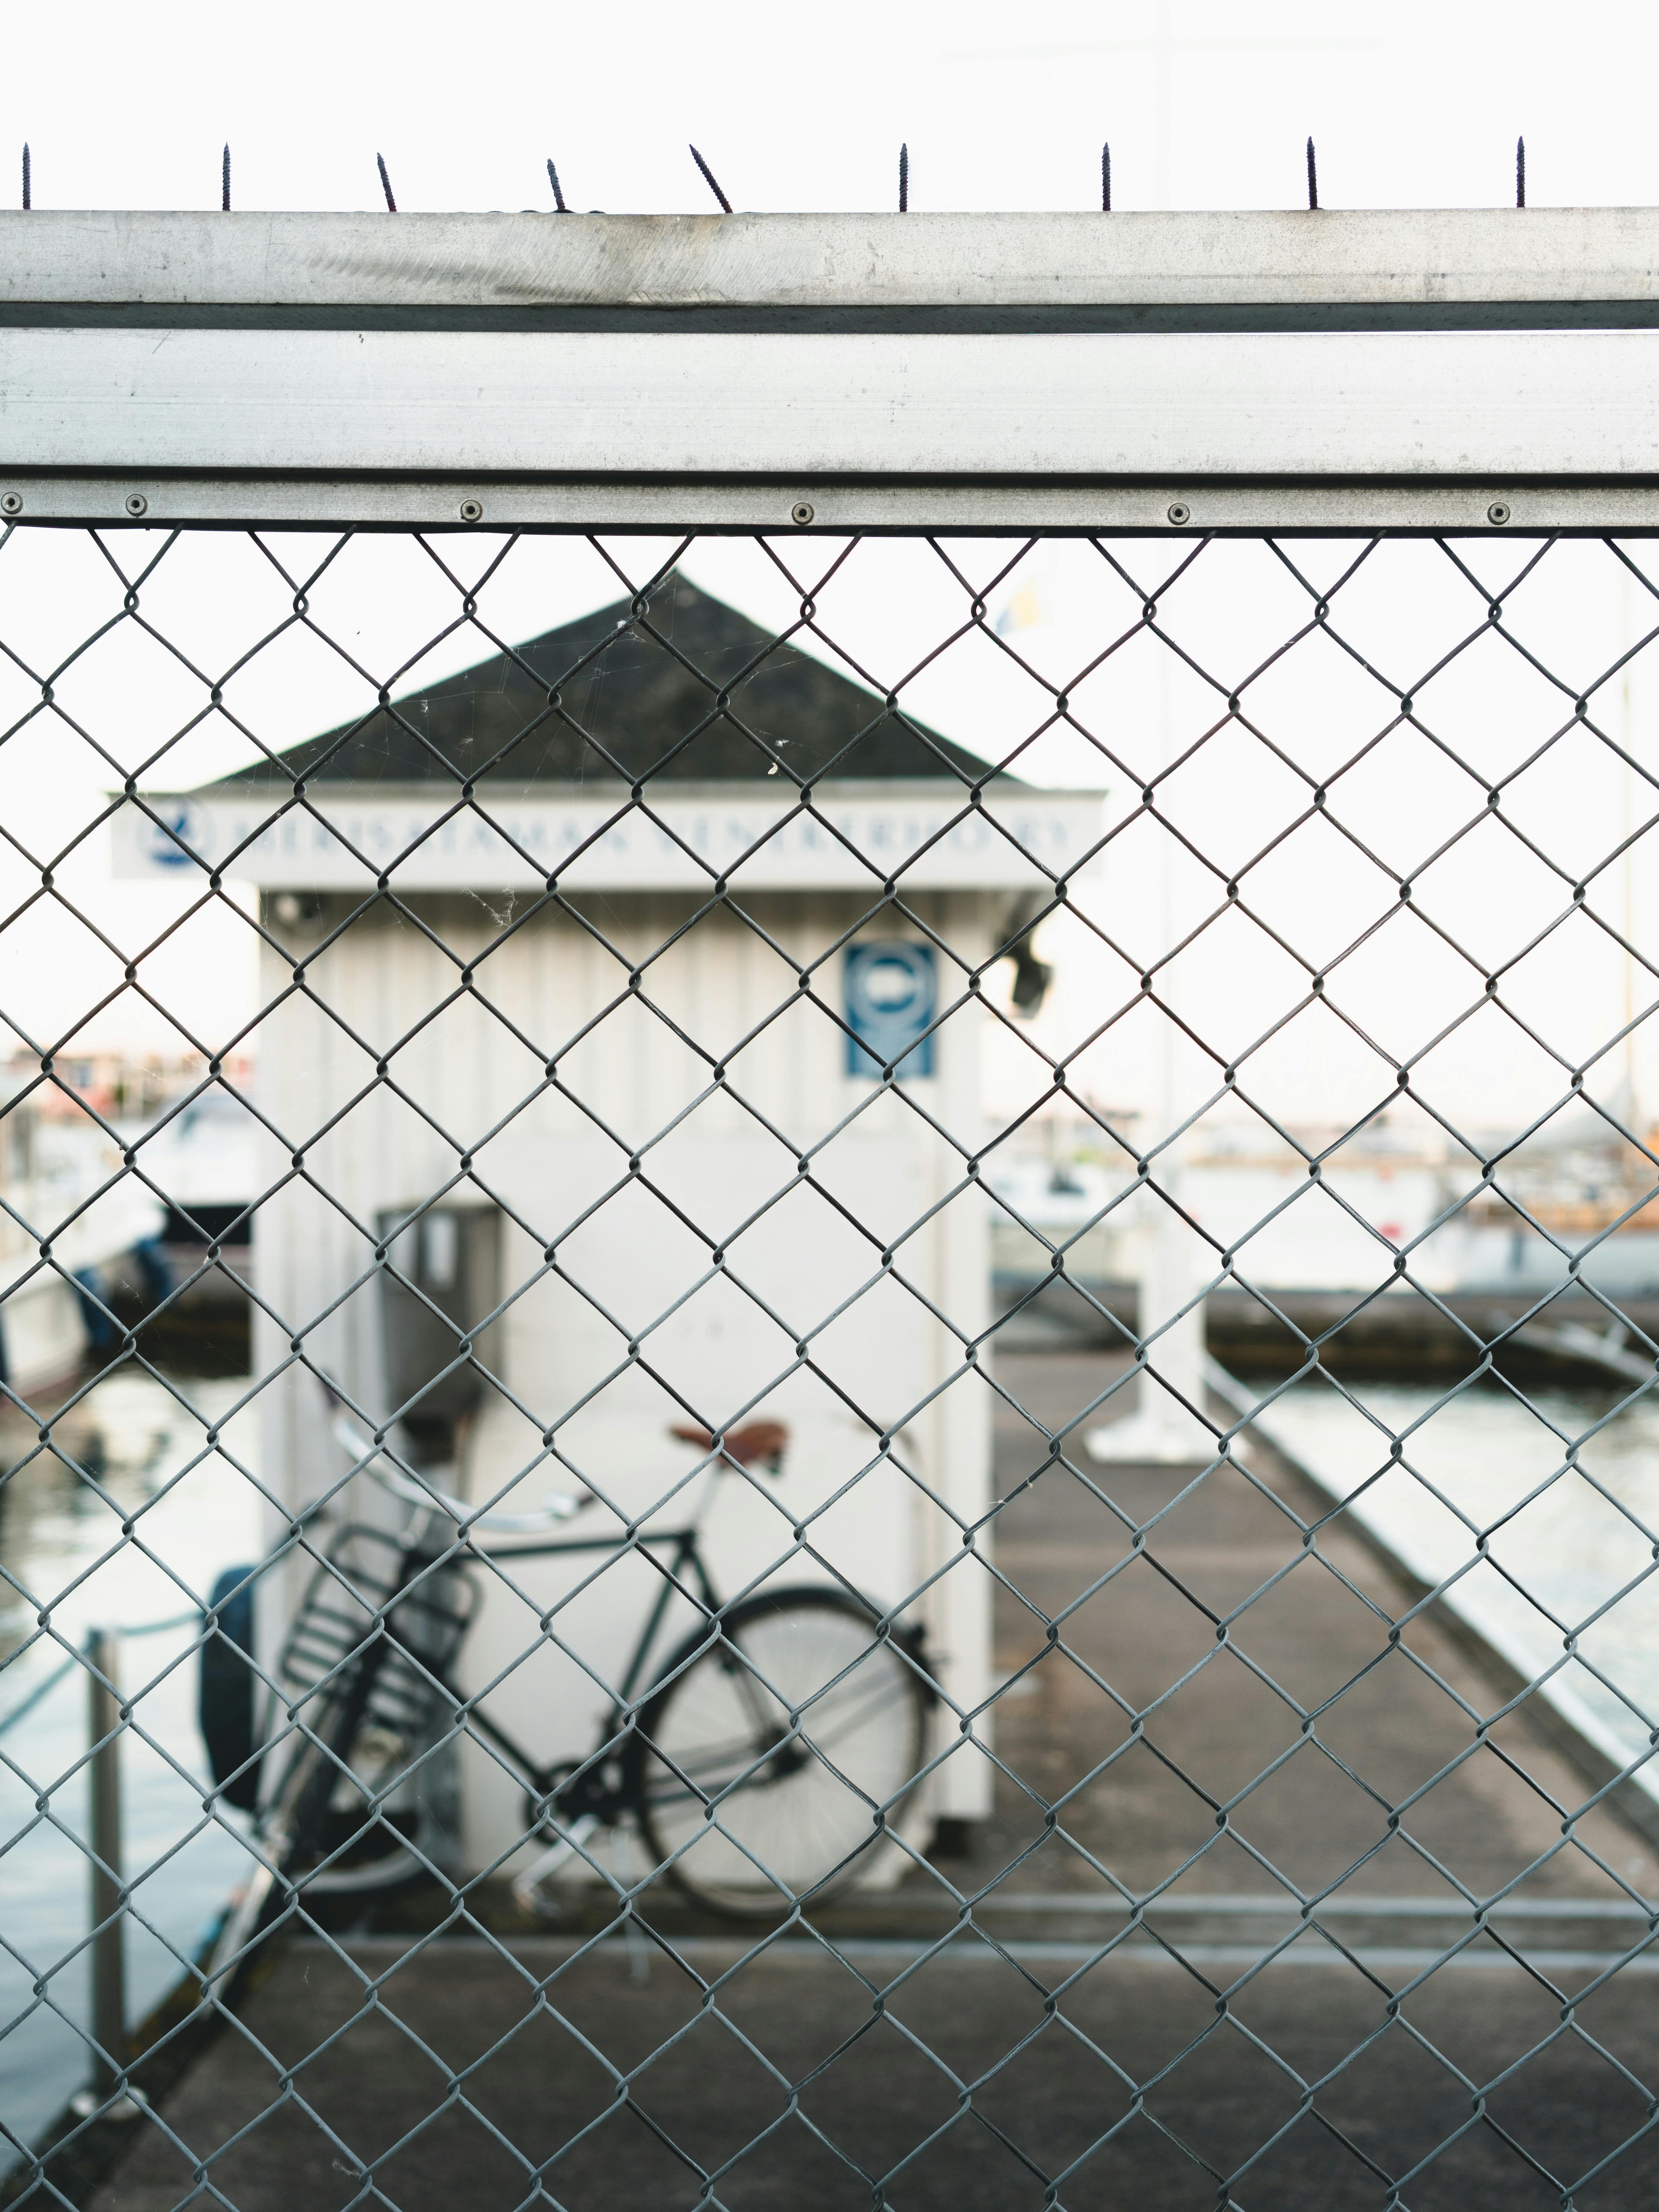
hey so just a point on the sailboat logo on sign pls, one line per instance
(174, 825)
(891, 990)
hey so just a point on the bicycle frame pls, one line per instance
(587, 1788)
(588, 1784)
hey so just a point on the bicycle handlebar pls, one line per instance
(553, 1509)
(763, 1441)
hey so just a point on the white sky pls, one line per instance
(1205, 105)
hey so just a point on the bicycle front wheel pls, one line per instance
(763, 1763)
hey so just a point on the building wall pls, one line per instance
(621, 1175)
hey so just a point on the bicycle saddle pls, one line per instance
(754, 1440)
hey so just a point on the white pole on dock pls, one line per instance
(1161, 1431)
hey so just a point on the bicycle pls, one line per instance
(765, 1759)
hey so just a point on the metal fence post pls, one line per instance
(109, 1966)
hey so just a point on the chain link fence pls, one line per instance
(894, 1317)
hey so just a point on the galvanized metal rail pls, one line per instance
(1347, 372)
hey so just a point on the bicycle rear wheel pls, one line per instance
(760, 1766)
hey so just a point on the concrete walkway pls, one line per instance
(1306, 1639)
(471, 2074)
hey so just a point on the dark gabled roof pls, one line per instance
(624, 692)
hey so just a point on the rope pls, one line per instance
(45, 1689)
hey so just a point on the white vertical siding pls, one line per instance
(606, 1259)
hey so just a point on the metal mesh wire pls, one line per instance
(998, 1751)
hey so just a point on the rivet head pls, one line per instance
(801, 512)
(1499, 512)
(1179, 511)
(136, 503)
(471, 510)
(11, 503)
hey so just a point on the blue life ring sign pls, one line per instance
(891, 986)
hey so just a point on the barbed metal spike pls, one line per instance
(224, 181)
(1520, 172)
(25, 172)
(709, 179)
(904, 180)
(553, 180)
(1106, 179)
(385, 183)
(1313, 177)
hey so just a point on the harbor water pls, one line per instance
(1537, 1514)
(133, 1452)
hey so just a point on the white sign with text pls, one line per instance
(344, 838)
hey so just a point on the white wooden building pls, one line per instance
(703, 1204)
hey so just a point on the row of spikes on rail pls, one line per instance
(713, 182)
